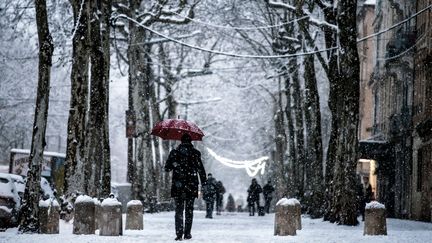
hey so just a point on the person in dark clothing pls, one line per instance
(209, 195)
(268, 190)
(253, 196)
(361, 203)
(368, 191)
(185, 162)
(220, 190)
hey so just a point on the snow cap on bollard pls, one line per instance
(83, 199)
(374, 204)
(110, 202)
(285, 202)
(134, 203)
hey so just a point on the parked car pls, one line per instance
(20, 182)
(9, 202)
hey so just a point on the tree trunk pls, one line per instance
(314, 168)
(105, 34)
(281, 145)
(29, 218)
(95, 150)
(138, 81)
(345, 88)
(79, 100)
(299, 128)
(292, 154)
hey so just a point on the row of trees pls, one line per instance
(154, 69)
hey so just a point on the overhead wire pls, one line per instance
(395, 25)
(223, 52)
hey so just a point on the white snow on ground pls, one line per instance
(236, 227)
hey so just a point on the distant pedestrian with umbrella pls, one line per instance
(186, 165)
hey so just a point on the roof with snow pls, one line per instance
(46, 153)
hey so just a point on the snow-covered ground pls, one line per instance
(236, 227)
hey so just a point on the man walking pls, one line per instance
(185, 162)
(268, 190)
(253, 196)
(220, 190)
(209, 195)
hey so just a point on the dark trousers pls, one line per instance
(183, 205)
(252, 207)
(267, 204)
(209, 208)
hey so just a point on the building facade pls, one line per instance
(389, 142)
(421, 208)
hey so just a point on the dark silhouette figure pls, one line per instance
(220, 190)
(368, 191)
(185, 162)
(230, 207)
(268, 190)
(361, 202)
(253, 196)
(209, 195)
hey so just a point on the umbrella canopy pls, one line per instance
(173, 129)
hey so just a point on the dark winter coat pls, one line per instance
(220, 190)
(253, 192)
(369, 194)
(268, 191)
(210, 190)
(185, 162)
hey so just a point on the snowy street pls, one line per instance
(236, 227)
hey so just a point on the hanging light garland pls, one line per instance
(252, 166)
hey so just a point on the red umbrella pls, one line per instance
(173, 129)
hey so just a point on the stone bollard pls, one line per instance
(98, 213)
(84, 219)
(111, 218)
(285, 217)
(134, 216)
(298, 213)
(49, 216)
(375, 219)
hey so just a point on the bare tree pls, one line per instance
(29, 218)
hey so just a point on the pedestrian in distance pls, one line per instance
(361, 202)
(186, 165)
(209, 195)
(369, 196)
(268, 190)
(253, 196)
(220, 190)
